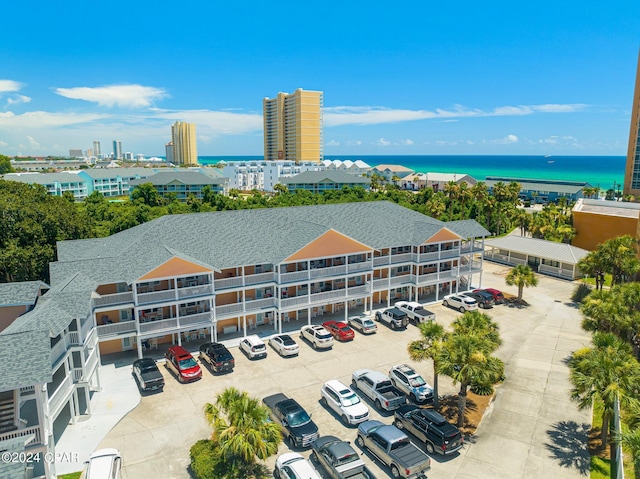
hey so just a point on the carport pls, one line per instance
(545, 257)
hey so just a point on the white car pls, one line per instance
(104, 464)
(344, 402)
(292, 465)
(460, 302)
(363, 324)
(318, 336)
(284, 345)
(253, 347)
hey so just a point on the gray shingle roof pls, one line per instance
(335, 176)
(45, 178)
(244, 237)
(25, 358)
(562, 252)
(118, 172)
(11, 469)
(186, 177)
(22, 293)
(528, 184)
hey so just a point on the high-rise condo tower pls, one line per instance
(632, 170)
(183, 137)
(293, 125)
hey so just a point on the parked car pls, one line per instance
(338, 459)
(498, 297)
(253, 347)
(393, 448)
(297, 427)
(377, 387)
(363, 324)
(318, 336)
(460, 302)
(180, 362)
(415, 311)
(407, 380)
(431, 428)
(217, 356)
(147, 375)
(484, 299)
(393, 317)
(284, 345)
(104, 464)
(292, 465)
(339, 330)
(344, 402)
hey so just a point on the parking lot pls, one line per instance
(530, 430)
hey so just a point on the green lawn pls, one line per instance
(592, 281)
(600, 467)
(73, 475)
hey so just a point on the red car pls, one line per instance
(182, 364)
(498, 297)
(339, 330)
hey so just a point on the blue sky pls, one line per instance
(415, 77)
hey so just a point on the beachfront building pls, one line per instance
(596, 221)
(113, 181)
(632, 168)
(357, 167)
(182, 184)
(262, 175)
(545, 257)
(185, 147)
(329, 180)
(542, 191)
(388, 172)
(56, 184)
(435, 181)
(17, 299)
(293, 127)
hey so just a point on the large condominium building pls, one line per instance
(117, 150)
(632, 170)
(263, 175)
(183, 137)
(293, 125)
(96, 149)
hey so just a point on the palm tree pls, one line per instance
(429, 346)
(521, 276)
(279, 188)
(241, 428)
(475, 322)
(603, 372)
(621, 257)
(631, 438)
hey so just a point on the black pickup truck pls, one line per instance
(297, 427)
(147, 374)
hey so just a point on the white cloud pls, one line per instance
(354, 143)
(565, 140)
(383, 142)
(332, 143)
(507, 140)
(405, 142)
(16, 99)
(371, 115)
(128, 96)
(7, 86)
(3, 143)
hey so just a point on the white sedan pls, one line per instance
(284, 345)
(460, 302)
(292, 464)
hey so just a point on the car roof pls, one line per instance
(336, 385)
(406, 369)
(376, 376)
(101, 463)
(144, 362)
(254, 339)
(179, 351)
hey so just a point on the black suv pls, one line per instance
(431, 428)
(484, 299)
(217, 356)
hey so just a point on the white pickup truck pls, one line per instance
(415, 311)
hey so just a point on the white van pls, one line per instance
(104, 464)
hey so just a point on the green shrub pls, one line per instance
(482, 389)
(204, 459)
(581, 292)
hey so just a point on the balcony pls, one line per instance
(228, 309)
(472, 247)
(190, 292)
(429, 257)
(429, 278)
(227, 283)
(58, 350)
(294, 277)
(269, 277)
(199, 318)
(358, 290)
(380, 260)
(260, 304)
(26, 432)
(112, 299)
(449, 274)
(156, 326)
(401, 258)
(115, 329)
(298, 300)
(60, 396)
(404, 279)
(471, 267)
(357, 267)
(450, 253)
(331, 271)
(157, 296)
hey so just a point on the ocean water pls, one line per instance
(602, 171)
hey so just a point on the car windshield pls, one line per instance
(417, 381)
(298, 419)
(188, 363)
(287, 341)
(324, 336)
(350, 400)
(344, 329)
(368, 322)
(148, 367)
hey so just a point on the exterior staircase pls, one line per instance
(7, 412)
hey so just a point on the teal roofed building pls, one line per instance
(328, 180)
(182, 183)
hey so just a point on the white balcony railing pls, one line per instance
(260, 304)
(428, 278)
(401, 258)
(202, 290)
(475, 246)
(199, 318)
(77, 375)
(90, 366)
(356, 267)
(225, 283)
(85, 329)
(112, 299)
(293, 277)
(331, 271)
(228, 308)
(561, 272)
(358, 290)
(260, 278)
(379, 284)
(319, 297)
(288, 302)
(60, 396)
(73, 338)
(157, 296)
(450, 253)
(26, 432)
(380, 260)
(429, 257)
(58, 350)
(404, 279)
(115, 329)
(161, 325)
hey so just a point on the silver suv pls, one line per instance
(407, 380)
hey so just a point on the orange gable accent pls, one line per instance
(175, 267)
(443, 235)
(330, 243)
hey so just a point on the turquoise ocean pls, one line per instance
(603, 171)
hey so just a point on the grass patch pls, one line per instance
(600, 459)
(592, 281)
(600, 468)
(72, 475)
